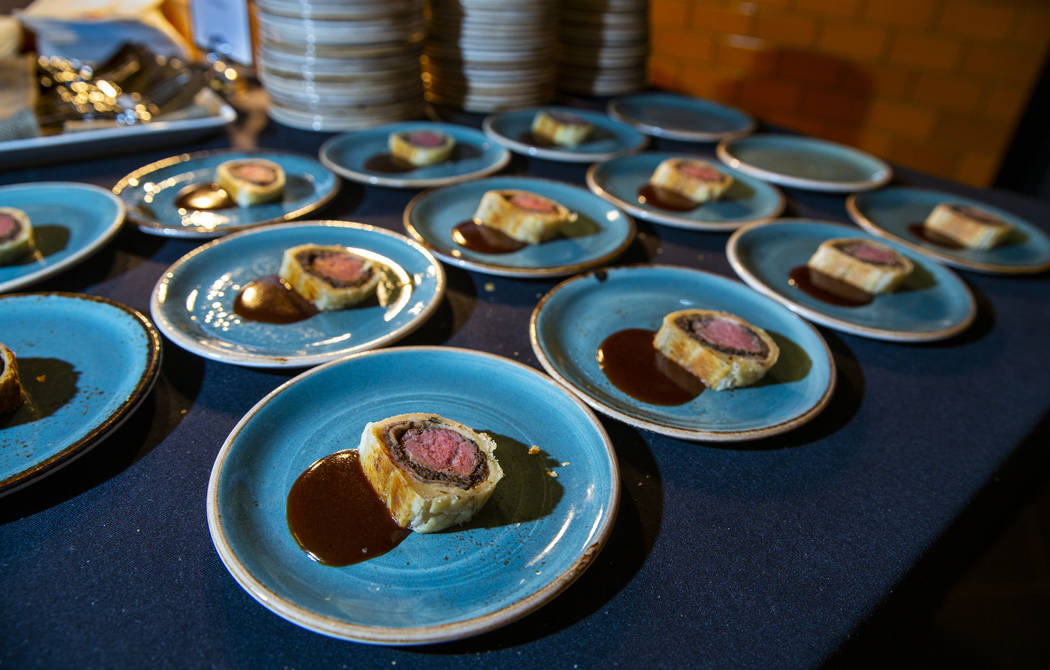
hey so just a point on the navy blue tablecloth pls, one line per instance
(764, 554)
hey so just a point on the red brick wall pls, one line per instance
(937, 85)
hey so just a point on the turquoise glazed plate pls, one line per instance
(71, 221)
(597, 233)
(355, 155)
(571, 322)
(806, 163)
(150, 194)
(75, 394)
(545, 523)
(610, 138)
(931, 304)
(748, 199)
(680, 117)
(892, 212)
(193, 302)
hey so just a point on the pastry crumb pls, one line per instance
(552, 473)
(533, 450)
(490, 287)
(564, 463)
(42, 378)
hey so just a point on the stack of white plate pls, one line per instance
(487, 55)
(341, 64)
(604, 46)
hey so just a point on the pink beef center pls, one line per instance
(567, 119)
(871, 253)
(339, 267)
(257, 174)
(8, 225)
(441, 450)
(728, 334)
(425, 138)
(533, 203)
(699, 171)
(978, 214)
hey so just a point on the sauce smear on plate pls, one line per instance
(665, 198)
(630, 362)
(335, 515)
(483, 239)
(271, 300)
(826, 288)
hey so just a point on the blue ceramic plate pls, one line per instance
(473, 156)
(680, 117)
(150, 193)
(70, 221)
(890, 212)
(535, 535)
(747, 200)
(610, 138)
(931, 304)
(77, 393)
(803, 162)
(570, 323)
(598, 233)
(193, 301)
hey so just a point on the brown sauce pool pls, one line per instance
(204, 197)
(270, 299)
(630, 362)
(389, 164)
(919, 230)
(335, 515)
(484, 239)
(665, 198)
(826, 288)
(529, 137)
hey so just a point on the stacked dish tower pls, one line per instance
(487, 55)
(604, 46)
(341, 64)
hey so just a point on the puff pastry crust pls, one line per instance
(421, 495)
(721, 349)
(10, 384)
(421, 147)
(522, 215)
(16, 234)
(251, 181)
(866, 264)
(967, 225)
(561, 129)
(698, 180)
(331, 277)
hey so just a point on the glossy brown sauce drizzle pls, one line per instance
(529, 137)
(665, 198)
(919, 230)
(484, 239)
(335, 515)
(630, 362)
(826, 288)
(207, 196)
(270, 299)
